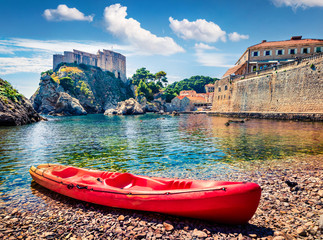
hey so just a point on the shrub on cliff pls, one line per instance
(8, 92)
(68, 84)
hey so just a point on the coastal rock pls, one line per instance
(95, 90)
(15, 109)
(68, 105)
(127, 107)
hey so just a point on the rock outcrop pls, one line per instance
(15, 109)
(67, 105)
(78, 89)
(127, 107)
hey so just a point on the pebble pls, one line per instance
(282, 213)
(121, 218)
(168, 226)
(199, 234)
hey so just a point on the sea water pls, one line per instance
(186, 146)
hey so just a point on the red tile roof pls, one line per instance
(232, 70)
(196, 99)
(181, 97)
(287, 43)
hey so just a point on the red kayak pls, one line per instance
(218, 201)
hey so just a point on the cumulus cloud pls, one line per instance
(199, 30)
(64, 13)
(204, 46)
(131, 30)
(235, 37)
(298, 3)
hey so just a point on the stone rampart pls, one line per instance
(295, 89)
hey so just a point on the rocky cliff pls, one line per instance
(78, 89)
(15, 109)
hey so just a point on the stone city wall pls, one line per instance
(295, 89)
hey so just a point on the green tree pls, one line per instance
(143, 89)
(161, 78)
(196, 83)
(170, 94)
(142, 74)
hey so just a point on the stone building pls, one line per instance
(268, 54)
(106, 60)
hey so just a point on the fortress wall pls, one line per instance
(106, 60)
(296, 89)
(57, 59)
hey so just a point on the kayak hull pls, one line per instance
(222, 202)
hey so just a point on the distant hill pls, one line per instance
(196, 83)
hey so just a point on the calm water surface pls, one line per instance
(194, 146)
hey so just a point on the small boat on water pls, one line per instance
(218, 201)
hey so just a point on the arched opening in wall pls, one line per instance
(225, 87)
(119, 75)
(254, 68)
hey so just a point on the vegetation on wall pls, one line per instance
(8, 92)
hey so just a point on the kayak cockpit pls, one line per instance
(120, 180)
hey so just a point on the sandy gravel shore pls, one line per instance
(284, 213)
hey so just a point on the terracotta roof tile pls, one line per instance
(287, 43)
(181, 97)
(232, 70)
(196, 98)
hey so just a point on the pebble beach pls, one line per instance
(285, 212)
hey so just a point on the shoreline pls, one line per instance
(287, 116)
(283, 213)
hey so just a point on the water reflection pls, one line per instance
(188, 145)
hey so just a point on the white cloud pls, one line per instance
(64, 13)
(235, 37)
(57, 46)
(31, 55)
(36, 64)
(204, 46)
(131, 30)
(199, 30)
(298, 3)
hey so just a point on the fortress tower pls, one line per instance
(106, 60)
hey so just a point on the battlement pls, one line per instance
(106, 60)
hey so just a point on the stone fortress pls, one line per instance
(106, 60)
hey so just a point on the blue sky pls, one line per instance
(181, 37)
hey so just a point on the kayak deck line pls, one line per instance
(71, 186)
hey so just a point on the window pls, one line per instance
(255, 54)
(280, 52)
(219, 89)
(254, 68)
(305, 50)
(225, 87)
(292, 51)
(267, 53)
(318, 49)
